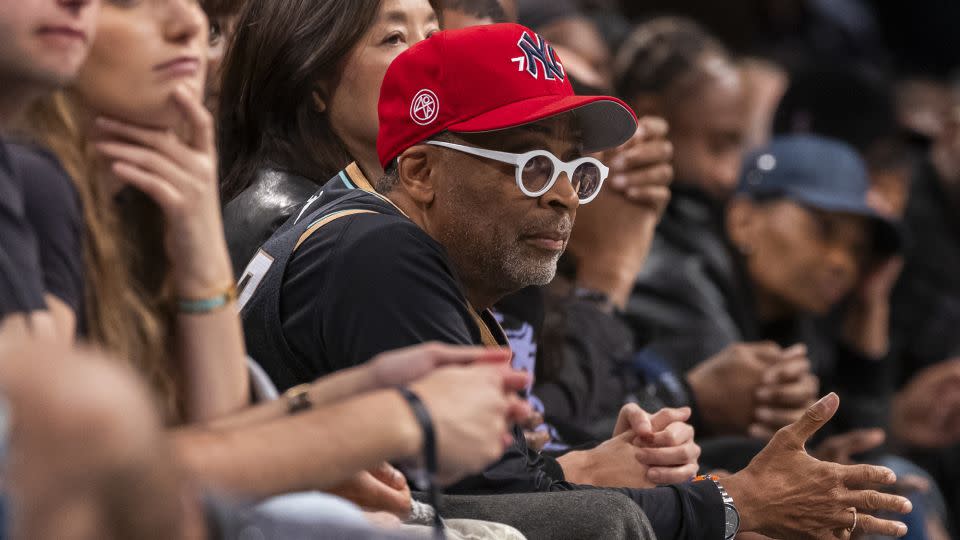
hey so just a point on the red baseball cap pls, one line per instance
(486, 78)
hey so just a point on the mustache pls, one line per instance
(562, 226)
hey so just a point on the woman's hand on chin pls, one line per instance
(179, 173)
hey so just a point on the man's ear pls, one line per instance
(742, 224)
(417, 174)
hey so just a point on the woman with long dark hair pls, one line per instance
(299, 103)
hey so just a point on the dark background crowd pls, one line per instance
(310, 269)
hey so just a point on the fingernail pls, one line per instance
(901, 529)
(764, 414)
(103, 122)
(907, 507)
(764, 393)
(769, 377)
(619, 181)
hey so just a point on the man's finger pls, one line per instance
(389, 475)
(450, 354)
(787, 371)
(867, 524)
(767, 351)
(635, 420)
(854, 475)
(517, 409)
(513, 380)
(797, 349)
(665, 457)
(760, 431)
(666, 416)
(813, 419)
(862, 440)
(799, 393)
(875, 501)
(672, 475)
(652, 127)
(674, 435)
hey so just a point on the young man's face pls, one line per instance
(44, 42)
(707, 128)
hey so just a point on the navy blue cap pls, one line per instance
(818, 172)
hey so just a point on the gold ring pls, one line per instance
(855, 518)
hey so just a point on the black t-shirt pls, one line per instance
(371, 281)
(53, 211)
(21, 289)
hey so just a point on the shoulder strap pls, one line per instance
(486, 336)
(327, 219)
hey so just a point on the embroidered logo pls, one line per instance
(538, 51)
(425, 107)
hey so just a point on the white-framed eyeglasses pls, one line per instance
(538, 170)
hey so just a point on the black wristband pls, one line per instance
(429, 454)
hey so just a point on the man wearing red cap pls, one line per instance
(484, 145)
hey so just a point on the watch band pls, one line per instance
(429, 454)
(730, 513)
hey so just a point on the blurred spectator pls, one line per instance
(299, 103)
(223, 16)
(926, 314)
(857, 107)
(794, 33)
(564, 25)
(743, 281)
(672, 68)
(465, 13)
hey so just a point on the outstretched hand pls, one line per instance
(786, 493)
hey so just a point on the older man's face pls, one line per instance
(497, 236)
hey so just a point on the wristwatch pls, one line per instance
(731, 516)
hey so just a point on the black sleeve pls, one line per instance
(679, 511)
(53, 210)
(21, 290)
(380, 284)
(865, 387)
(683, 312)
(583, 372)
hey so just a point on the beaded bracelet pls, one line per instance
(200, 306)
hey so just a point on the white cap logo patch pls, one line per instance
(425, 107)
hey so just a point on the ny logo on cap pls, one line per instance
(538, 50)
(425, 107)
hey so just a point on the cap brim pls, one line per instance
(606, 122)
(888, 234)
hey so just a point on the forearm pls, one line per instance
(213, 363)
(614, 273)
(313, 450)
(867, 328)
(327, 390)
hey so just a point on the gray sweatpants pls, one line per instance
(565, 515)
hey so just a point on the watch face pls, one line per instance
(732, 521)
